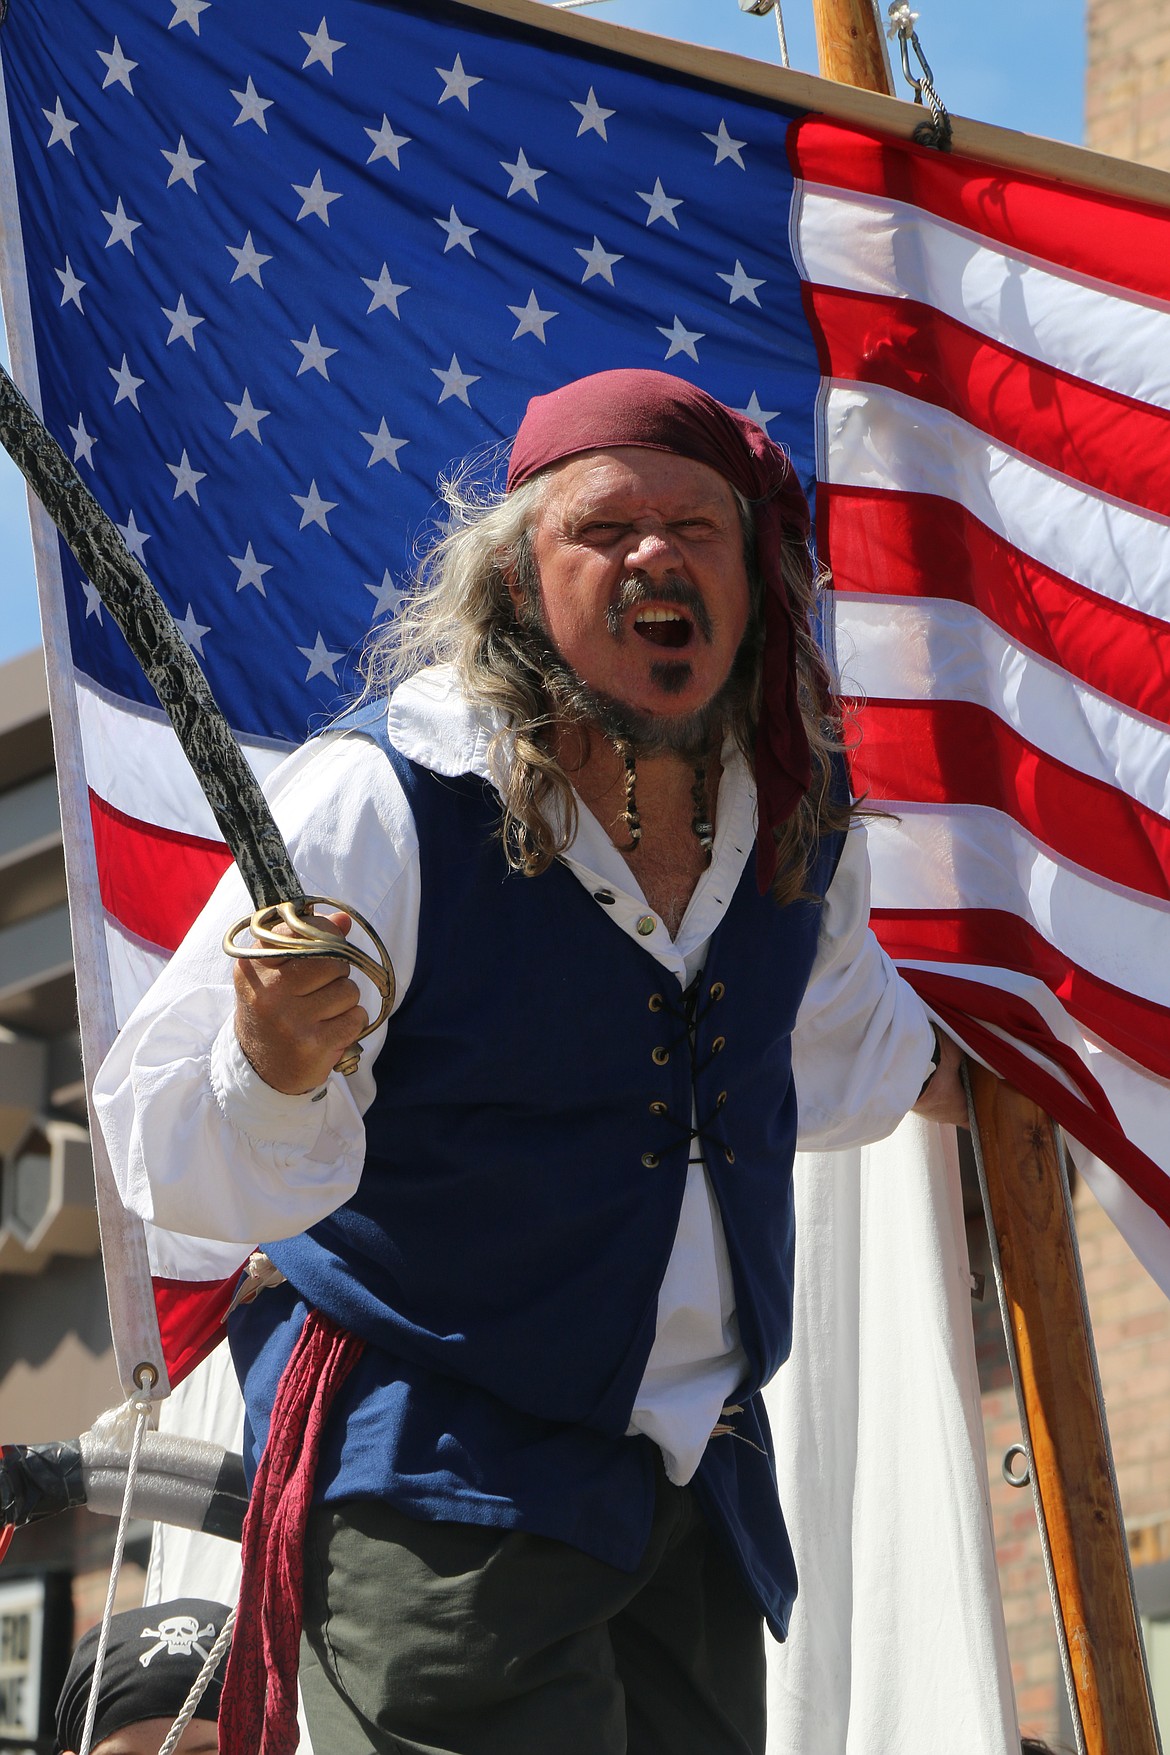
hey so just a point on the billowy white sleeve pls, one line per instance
(863, 1044)
(198, 1142)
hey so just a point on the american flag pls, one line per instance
(278, 271)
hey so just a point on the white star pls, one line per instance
(314, 510)
(660, 204)
(388, 599)
(249, 261)
(83, 442)
(135, 539)
(455, 380)
(753, 411)
(315, 198)
(598, 261)
(186, 479)
(62, 127)
(592, 116)
(183, 164)
(182, 323)
(530, 319)
(321, 660)
(128, 384)
(386, 292)
(122, 227)
(187, 12)
(93, 603)
(524, 176)
(384, 448)
(70, 286)
(251, 570)
(118, 67)
(457, 233)
(313, 354)
(386, 143)
(252, 106)
(192, 631)
(321, 46)
(742, 285)
(682, 340)
(725, 146)
(248, 417)
(456, 83)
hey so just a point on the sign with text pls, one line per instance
(22, 1621)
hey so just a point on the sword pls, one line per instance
(229, 785)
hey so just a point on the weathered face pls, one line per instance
(643, 584)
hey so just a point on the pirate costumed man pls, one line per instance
(539, 1249)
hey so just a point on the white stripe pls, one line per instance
(156, 784)
(967, 856)
(870, 244)
(134, 966)
(878, 438)
(927, 649)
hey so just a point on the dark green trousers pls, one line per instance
(452, 1639)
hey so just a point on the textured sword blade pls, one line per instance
(231, 788)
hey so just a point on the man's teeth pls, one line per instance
(657, 615)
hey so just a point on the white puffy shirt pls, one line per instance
(201, 1146)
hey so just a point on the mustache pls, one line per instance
(635, 590)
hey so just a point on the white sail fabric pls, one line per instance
(897, 1642)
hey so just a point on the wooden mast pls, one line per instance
(1028, 1213)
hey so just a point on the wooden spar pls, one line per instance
(1029, 1215)
(1068, 1441)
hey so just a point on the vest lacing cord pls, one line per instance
(690, 1015)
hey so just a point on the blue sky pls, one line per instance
(1021, 66)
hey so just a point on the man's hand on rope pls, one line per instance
(296, 1019)
(944, 1098)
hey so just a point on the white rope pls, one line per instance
(780, 32)
(141, 1407)
(200, 1685)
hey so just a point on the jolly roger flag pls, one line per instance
(269, 274)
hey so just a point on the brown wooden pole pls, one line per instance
(849, 44)
(1065, 1424)
(1044, 1302)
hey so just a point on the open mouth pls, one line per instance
(664, 627)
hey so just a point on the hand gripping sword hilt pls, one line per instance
(302, 937)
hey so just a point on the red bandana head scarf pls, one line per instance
(662, 413)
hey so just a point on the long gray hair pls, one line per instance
(460, 612)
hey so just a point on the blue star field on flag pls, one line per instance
(286, 269)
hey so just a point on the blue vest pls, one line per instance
(526, 1158)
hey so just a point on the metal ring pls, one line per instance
(144, 1369)
(1009, 1474)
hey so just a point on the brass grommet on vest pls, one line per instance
(650, 1160)
(719, 1044)
(721, 1099)
(717, 990)
(660, 1056)
(727, 1153)
(657, 1107)
(656, 1002)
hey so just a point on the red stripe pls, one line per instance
(1120, 242)
(953, 752)
(961, 1003)
(1107, 441)
(152, 881)
(191, 1315)
(1136, 1027)
(916, 545)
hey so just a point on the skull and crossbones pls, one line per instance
(178, 1636)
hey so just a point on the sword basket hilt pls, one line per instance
(304, 938)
